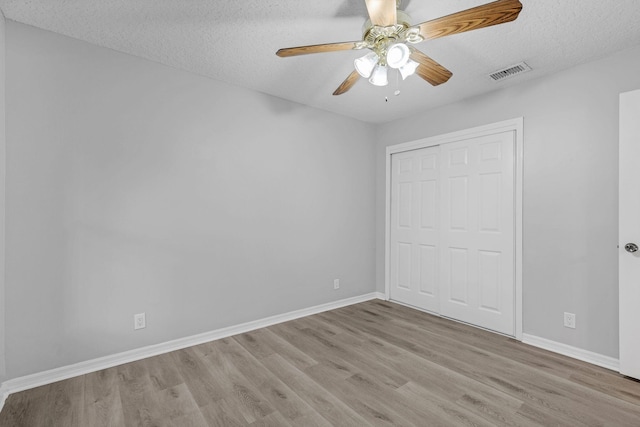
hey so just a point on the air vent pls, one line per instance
(509, 72)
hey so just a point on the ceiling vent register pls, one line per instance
(509, 72)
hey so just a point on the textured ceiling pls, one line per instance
(235, 41)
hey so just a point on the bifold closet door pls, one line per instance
(414, 230)
(477, 271)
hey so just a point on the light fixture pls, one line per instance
(379, 76)
(365, 64)
(397, 55)
(408, 69)
(375, 65)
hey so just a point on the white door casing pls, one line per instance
(414, 228)
(629, 232)
(487, 174)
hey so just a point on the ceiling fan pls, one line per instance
(389, 35)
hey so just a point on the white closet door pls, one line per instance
(415, 211)
(477, 274)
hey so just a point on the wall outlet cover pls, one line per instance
(139, 321)
(570, 320)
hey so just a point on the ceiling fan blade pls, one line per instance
(382, 12)
(316, 48)
(348, 83)
(429, 69)
(497, 12)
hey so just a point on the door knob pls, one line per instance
(631, 247)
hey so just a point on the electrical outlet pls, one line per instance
(336, 284)
(139, 321)
(570, 320)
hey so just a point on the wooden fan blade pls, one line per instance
(316, 48)
(429, 69)
(382, 12)
(348, 83)
(497, 12)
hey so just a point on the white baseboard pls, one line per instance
(574, 352)
(3, 396)
(65, 372)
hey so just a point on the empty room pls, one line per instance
(336, 213)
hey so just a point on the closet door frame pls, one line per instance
(516, 125)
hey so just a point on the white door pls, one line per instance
(477, 270)
(452, 230)
(629, 233)
(414, 228)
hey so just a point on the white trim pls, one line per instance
(65, 372)
(490, 129)
(3, 181)
(516, 125)
(387, 227)
(4, 393)
(519, 245)
(573, 352)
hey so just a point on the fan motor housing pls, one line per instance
(372, 32)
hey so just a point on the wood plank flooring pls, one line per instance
(375, 363)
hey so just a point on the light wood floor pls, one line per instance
(374, 363)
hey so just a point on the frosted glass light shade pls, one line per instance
(365, 64)
(397, 55)
(408, 69)
(379, 76)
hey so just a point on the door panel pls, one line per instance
(428, 204)
(428, 268)
(404, 265)
(415, 215)
(405, 190)
(458, 197)
(458, 288)
(490, 203)
(629, 232)
(489, 280)
(477, 280)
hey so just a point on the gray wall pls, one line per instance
(2, 179)
(570, 191)
(134, 187)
